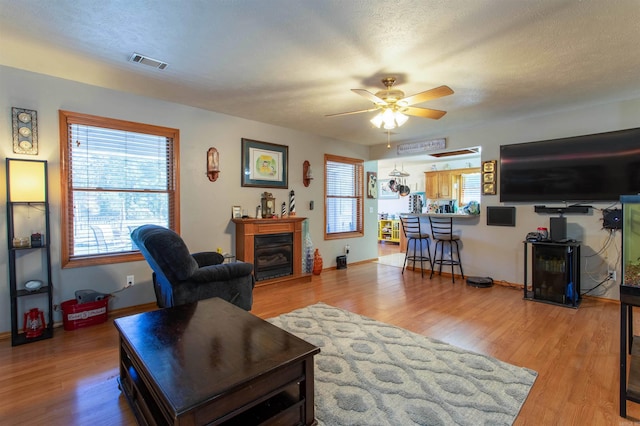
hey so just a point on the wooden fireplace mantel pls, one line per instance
(247, 229)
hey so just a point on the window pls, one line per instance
(469, 188)
(116, 175)
(344, 204)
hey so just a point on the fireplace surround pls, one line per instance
(272, 256)
(248, 230)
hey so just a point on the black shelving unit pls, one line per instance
(555, 276)
(21, 252)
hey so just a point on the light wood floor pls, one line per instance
(71, 379)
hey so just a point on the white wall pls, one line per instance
(497, 251)
(205, 205)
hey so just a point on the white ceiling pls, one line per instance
(291, 62)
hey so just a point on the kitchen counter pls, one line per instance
(424, 219)
(453, 215)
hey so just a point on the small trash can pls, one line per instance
(77, 315)
(341, 262)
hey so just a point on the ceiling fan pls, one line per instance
(395, 107)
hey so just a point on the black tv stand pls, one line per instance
(562, 210)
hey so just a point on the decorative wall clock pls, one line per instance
(25, 131)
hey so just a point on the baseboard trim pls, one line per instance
(116, 313)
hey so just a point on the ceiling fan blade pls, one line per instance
(373, 98)
(424, 112)
(427, 95)
(352, 112)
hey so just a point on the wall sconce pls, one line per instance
(307, 174)
(26, 181)
(213, 164)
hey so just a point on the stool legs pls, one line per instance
(415, 258)
(459, 263)
(442, 261)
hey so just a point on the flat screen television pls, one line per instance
(598, 167)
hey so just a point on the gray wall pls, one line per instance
(205, 205)
(497, 251)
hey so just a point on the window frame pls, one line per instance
(457, 179)
(67, 118)
(359, 196)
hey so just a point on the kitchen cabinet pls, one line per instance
(438, 184)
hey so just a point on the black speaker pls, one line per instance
(557, 228)
(612, 219)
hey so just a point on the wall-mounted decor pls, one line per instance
(489, 177)
(264, 164)
(385, 192)
(213, 164)
(372, 185)
(307, 173)
(25, 131)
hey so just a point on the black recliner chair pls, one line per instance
(180, 277)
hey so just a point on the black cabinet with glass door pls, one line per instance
(555, 273)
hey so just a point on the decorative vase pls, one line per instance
(317, 262)
(308, 254)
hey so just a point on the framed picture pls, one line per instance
(489, 166)
(489, 189)
(236, 212)
(264, 164)
(385, 192)
(25, 131)
(488, 178)
(372, 185)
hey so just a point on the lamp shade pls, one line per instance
(26, 181)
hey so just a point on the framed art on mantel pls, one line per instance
(264, 164)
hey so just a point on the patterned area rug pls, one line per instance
(371, 373)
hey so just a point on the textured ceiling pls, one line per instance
(291, 62)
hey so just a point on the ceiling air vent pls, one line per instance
(145, 60)
(458, 152)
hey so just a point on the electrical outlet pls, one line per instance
(611, 275)
(130, 280)
(346, 249)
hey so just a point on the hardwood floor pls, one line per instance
(71, 379)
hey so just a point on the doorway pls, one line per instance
(391, 204)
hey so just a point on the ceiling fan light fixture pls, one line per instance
(388, 116)
(401, 118)
(377, 120)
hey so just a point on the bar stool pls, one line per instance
(442, 230)
(413, 233)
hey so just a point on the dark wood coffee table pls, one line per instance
(211, 362)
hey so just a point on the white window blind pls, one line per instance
(344, 196)
(118, 179)
(470, 187)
